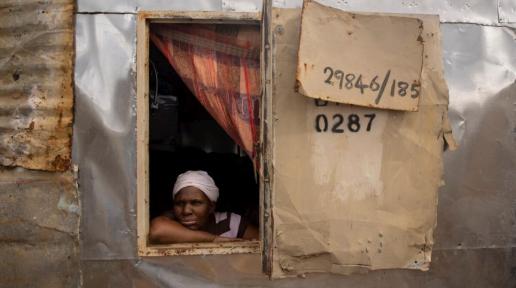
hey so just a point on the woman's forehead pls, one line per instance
(190, 193)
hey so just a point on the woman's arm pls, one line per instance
(251, 233)
(164, 230)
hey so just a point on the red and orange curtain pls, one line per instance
(220, 64)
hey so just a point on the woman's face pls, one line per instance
(192, 208)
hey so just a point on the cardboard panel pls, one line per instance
(360, 59)
(353, 188)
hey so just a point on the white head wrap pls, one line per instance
(197, 179)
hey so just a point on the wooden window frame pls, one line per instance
(144, 19)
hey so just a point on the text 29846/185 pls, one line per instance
(350, 81)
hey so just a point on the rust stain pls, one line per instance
(60, 119)
(420, 39)
(61, 164)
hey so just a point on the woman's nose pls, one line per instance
(187, 209)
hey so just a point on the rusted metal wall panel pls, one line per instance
(39, 220)
(36, 94)
(39, 211)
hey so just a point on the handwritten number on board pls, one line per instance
(328, 80)
(339, 75)
(403, 88)
(349, 80)
(414, 88)
(360, 85)
(374, 86)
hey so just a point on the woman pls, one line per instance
(193, 217)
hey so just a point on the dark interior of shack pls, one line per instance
(184, 136)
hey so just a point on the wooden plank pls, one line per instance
(266, 144)
(249, 247)
(212, 17)
(142, 131)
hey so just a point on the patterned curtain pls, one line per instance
(220, 64)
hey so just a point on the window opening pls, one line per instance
(185, 136)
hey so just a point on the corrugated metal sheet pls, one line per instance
(36, 92)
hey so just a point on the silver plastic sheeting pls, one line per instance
(507, 11)
(476, 231)
(469, 11)
(477, 205)
(113, 6)
(132, 6)
(104, 138)
(246, 5)
(178, 5)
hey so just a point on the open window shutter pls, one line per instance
(350, 188)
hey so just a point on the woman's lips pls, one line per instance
(188, 222)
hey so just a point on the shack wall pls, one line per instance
(476, 230)
(475, 238)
